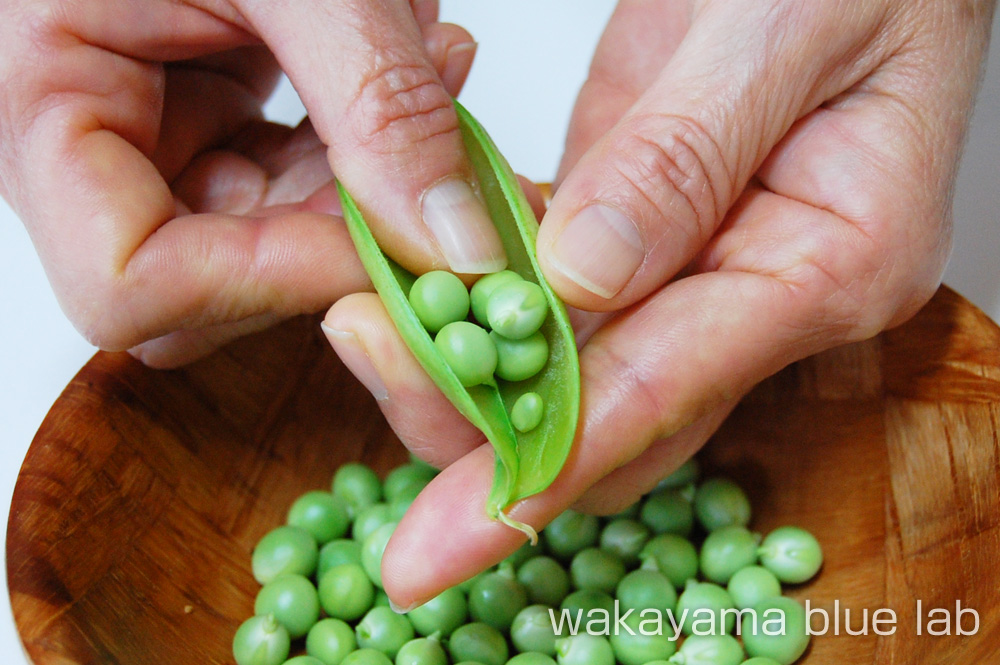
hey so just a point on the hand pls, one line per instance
(170, 217)
(772, 178)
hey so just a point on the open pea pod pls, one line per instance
(526, 462)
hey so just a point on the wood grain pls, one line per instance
(144, 491)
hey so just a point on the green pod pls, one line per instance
(526, 462)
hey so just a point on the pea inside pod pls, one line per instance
(527, 461)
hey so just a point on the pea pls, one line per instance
(522, 554)
(532, 630)
(571, 532)
(668, 512)
(303, 660)
(384, 630)
(517, 309)
(594, 568)
(727, 550)
(776, 629)
(683, 476)
(336, 552)
(520, 359)
(625, 538)
(750, 585)
(705, 608)
(484, 286)
(261, 640)
(441, 614)
(720, 502)
(358, 485)
(323, 514)
(709, 650)
(371, 552)
(527, 412)
(366, 656)
(496, 598)
(585, 601)
(584, 649)
(469, 352)
(292, 600)
(284, 550)
(639, 646)
(400, 480)
(673, 556)
(422, 651)
(330, 640)
(369, 519)
(531, 658)
(479, 642)
(439, 298)
(792, 554)
(760, 660)
(645, 589)
(346, 592)
(403, 500)
(546, 581)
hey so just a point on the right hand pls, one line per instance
(170, 217)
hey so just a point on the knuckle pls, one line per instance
(674, 165)
(399, 104)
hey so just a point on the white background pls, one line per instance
(522, 88)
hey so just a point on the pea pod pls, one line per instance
(526, 462)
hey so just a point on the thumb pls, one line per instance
(376, 101)
(649, 194)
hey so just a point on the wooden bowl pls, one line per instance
(144, 491)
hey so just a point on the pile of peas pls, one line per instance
(322, 588)
(503, 342)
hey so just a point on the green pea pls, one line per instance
(358, 485)
(531, 658)
(727, 550)
(322, 514)
(526, 551)
(646, 589)
(336, 552)
(709, 650)
(546, 581)
(381, 598)
(776, 629)
(284, 550)
(439, 298)
(381, 628)
(330, 640)
(546, 448)
(304, 660)
(403, 500)
(720, 502)
(422, 651)
(625, 538)
(479, 642)
(346, 592)
(441, 614)
(261, 640)
(629, 512)
(673, 556)
(594, 568)
(760, 660)
(792, 554)
(704, 608)
(586, 602)
(684, 475)
(637, 646)
(520, 359)
(584, 649)
(292, 600)
(469, 352)
(399, 481)
(366, 656)
(372, 550)
(517, 309)
(571, 532)
(750, 585)
(668, 512)
(527, 412)
(369, 519)
(484, 286)
(496, 598)
(532, 630)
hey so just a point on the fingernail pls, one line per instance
(458, 61)
(600, 249)
(353, 354)
(402, 610)
(464, 232)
